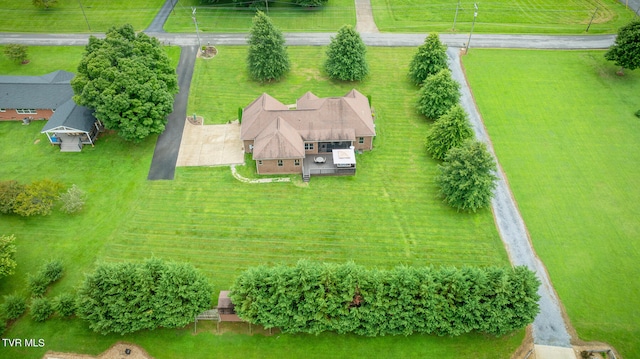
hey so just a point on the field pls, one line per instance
(563, 128)
(501, 16)
(67, 16)
(389, 214)
(223, 16)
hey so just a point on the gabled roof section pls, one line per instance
(70, 117)
(256, 115)
(38, 92)
(278, 140)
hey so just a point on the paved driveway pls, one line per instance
(210, 145)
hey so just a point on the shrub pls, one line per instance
(41, 309)
(52, 270)
(13, 306)
(37, 284)
(7, 255)
(48, 273)
(637, 113)
(65, 304)
(9, 190)
(37, 198)
(73, 200)
(17, 53)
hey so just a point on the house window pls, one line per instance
(308, 146)
(26, 111)
(3, 110)
(259, 162)
(280, 164)
(360, 140)
(296, 162)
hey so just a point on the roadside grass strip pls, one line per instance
(564, 130)
(69, 15)
(501, 16)
(224, 16)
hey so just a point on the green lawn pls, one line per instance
(67, 16)
(223, 16)
(563, 128)
(501, 16)
(387, 215)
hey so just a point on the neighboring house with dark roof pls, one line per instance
(319, 136)
(49, 97)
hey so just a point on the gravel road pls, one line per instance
(549, 326)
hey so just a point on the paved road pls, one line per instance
(165, 155)
(321, 39)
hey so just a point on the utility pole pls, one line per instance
(475, 15)
(456, 17)
(85, 15)
(193, 12)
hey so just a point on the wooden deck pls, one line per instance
(327, 168)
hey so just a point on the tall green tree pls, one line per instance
(429, 60)
(625, 51)
(17, 53)
(7, 255)
(45, 4)
(126, 297)
(466, 177)
(128, 80)
(449, 131)
(438, 94)
(346, 56)
(267, 58)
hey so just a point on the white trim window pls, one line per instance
(308, 146)
(26, 111)
(3, 110)
(296, 162)
(280, 163)
(360, 140)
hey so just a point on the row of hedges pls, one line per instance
(313, 298)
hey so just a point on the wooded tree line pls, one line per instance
(315, 297)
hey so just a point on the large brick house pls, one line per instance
(49, 97)
(317, 136)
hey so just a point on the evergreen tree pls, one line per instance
(449, 131)
(625, 51)
(126, 297)
(129, 82)
(438, 94)
(467, 178)
(346, 56)
(429, 60)
(267, 58)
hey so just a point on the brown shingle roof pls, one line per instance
(315, 119)
(278, 141)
